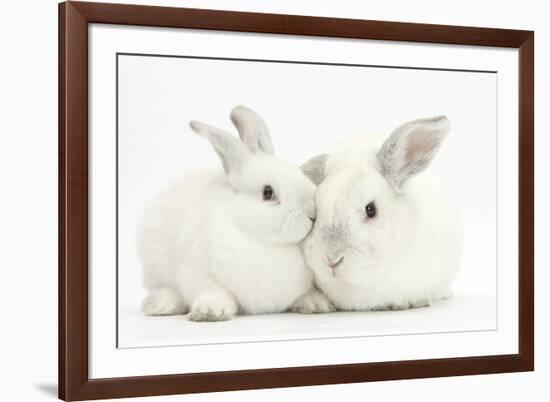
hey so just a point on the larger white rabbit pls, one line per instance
(217, 243)
(388, 233)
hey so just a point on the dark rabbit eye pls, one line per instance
(370, 209)
(268, 193)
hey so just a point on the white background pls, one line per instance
(308, 108)
(29, 215)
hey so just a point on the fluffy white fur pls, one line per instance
(212, 246)
(405, 256)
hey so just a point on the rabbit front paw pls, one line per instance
(406, 305)
(213, 308)
(312, 302)
(426, 302)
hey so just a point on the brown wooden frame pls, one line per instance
(74, 17)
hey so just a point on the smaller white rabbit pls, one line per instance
(215, 244)
(386, 236)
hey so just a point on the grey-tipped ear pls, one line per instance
(252, 130)
(231, 151)
(314, 168)
(410, 149)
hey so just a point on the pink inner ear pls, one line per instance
(420, 145)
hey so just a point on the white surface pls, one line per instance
(153, 99)
(466, 312)
(30, 309)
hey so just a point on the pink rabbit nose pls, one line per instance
(334, 263)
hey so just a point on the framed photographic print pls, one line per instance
(258, 200)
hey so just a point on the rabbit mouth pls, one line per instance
(310, 231)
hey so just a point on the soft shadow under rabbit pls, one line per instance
(218, 243)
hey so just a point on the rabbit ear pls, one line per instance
(252, 130)
(314, 168)
(410, 149)
(231, 151)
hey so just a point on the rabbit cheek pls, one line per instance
(296, 227)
